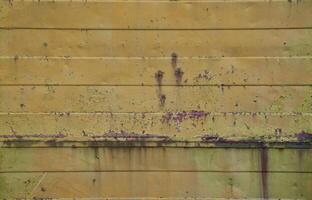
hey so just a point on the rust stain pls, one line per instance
(33, 136)
(159, 77)
(212, 138)
(264, 172)
(181, 116)
(174, 60)
(178, 73)
(130, 136)
(162, 99)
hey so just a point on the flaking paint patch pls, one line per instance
(204, 76)
(128, 136)
(179, 117)
(42, 136)
(303, 136)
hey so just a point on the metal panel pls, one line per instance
(155, 71)
(155, 99)
(156, 173)
(216, 14)
(162, 126)
(159, 43)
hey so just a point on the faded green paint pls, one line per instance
(307, 101)
(186, 172)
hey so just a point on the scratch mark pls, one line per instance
(39, 182)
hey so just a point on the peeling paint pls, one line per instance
(184, 115)
(130, 136)
(43, 136)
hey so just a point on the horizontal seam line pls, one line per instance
(185, 171)
(155, 29)
(160, 113)
(162, 85)
(152, 1)
(5, 144)
(17, 57)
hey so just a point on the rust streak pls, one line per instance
(264, 171)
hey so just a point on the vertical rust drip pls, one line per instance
(174, 60)
(264, 172)
(178, 73)
(162, 99)
(159, 77)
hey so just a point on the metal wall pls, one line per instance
(156, 99)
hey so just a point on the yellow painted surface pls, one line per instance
(135, 99)
(151, 43)
(274, 127)
(156, 14)
(155, 99)
(141, 71)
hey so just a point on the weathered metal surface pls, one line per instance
(155, 172)
(146, 185)
(28, 159)
(161, 14)
(151, 43)
(148, 99)
(155, 99)
(270, 127)
(142, 71)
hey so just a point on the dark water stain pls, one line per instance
(212, 138)
(264, 172)
(178, 73)
(174, 60)
(42, 198)
(159, 77)
(45, 44)
(162, 99)
(96, 153)
(15, 58)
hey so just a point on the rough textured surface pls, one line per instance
(143, 172)
(161, 14)
(155, 99)
(155, 43)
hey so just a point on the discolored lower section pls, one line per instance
(147, 172)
